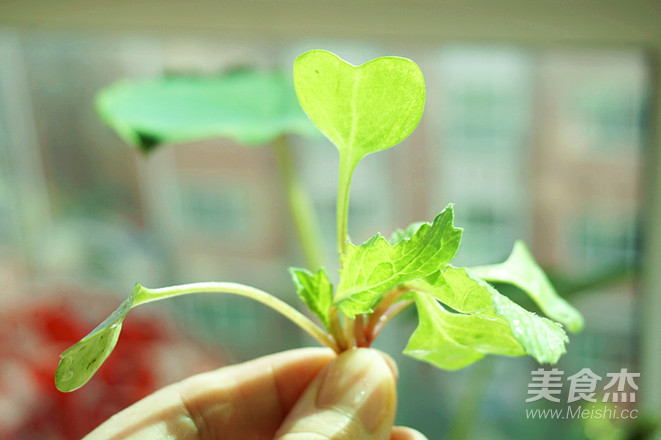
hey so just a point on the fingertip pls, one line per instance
(353, 397)
(391, 363)
(405, 433)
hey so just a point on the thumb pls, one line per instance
(352, 398)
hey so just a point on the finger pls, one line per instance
(353, 398)
(404, 433)
(248, 400)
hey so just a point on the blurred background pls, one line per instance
(541, 123)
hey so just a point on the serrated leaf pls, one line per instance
(315, 290)
(453, 340)
(374, 267)
(361, 109)
(521, 270)
(542, 338)
(488, 322)
(249, 106)
(80, 361)
(456, 289)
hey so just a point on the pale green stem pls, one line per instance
(337, 330)
(347, 167)
(343, 187)
(300, 206)
(144, 295)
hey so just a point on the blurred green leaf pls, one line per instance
(252, 107)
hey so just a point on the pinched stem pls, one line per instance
(359, 332)
(388, 308)
(337, 331)
(144, 295)
(383, 307)
(348, 329)
(385, 318)
(365, 333)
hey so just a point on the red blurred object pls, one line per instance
(149, 355)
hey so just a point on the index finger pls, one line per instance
(248, 400)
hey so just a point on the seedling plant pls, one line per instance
(461, 317)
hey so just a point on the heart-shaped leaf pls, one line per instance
(361, 109)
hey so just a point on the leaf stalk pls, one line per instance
(144, 295)
(343, 188)
(382, 308)
(337, 331)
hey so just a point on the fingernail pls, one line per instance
(360, 382)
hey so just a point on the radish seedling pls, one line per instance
(362, 110)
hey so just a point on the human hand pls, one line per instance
(304, 394)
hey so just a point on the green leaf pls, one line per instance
(315, 290)
(542, 338)
(521, 270)
(374, 267)
(79, 363)
(249, 106)
(453, 340)
(361, 109)
(400, 235)
(486, 322)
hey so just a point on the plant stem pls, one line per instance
(337, 330)
(343, 187)
(383, 307)
(385, 318)
(144, 295)
(359, 331)
(300, 206)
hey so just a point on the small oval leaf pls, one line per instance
(80, 361)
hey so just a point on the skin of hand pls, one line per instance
(304, 394)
